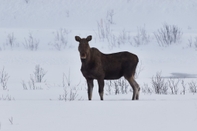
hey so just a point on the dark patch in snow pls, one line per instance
(183, 75)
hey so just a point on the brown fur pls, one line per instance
(99, 66)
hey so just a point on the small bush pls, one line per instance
(6, 98)
(173, 84)
(184, 87)
(11, 40)
(159, 85)
(31, 84)
(66, 79)
(38, 76)
(31, 43)
(120, 86)
(4, 79)
(193, 87)
(104, 29)
(39, 73)
(124, 37)
(110, 15)
(60, 39)
(192, 43)
(69, 95)
(142, 37)
(146, 89)
(168, 35)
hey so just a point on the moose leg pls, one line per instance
(101, 86)
(90, 88)
(138, 90)
(135, 87)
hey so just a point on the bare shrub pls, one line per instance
(4, 77)
(146, 89)
(66, 79)
(6, 98)
(124, 37)
(109, 87)
(173, 84)
(142, 37)
(159, 85)
(104, 29)
(116, 87)
(11, 120)
(11, 40)
(60, 39)
(112, 41)
(39, 73)
(116, 41)
(31, 84)
(192, 87)
(31, 43)
(69, 95)
(38, 76)
(192, 43)
(70, 92)
(25, 87)
(109, 17)
(168, 35)
(184, 87)
(123, 85)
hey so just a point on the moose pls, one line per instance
(100, 66)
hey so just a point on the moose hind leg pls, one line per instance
(90, 88)
(101, 87)
(135, 87)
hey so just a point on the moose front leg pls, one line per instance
(101, 86)
(90, 88)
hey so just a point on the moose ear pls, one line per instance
(89, 38)
(77, 38)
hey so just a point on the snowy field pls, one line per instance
(42, 88)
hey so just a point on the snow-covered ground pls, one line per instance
(28, 105)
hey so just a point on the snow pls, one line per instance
(41, 109)
(97, 115)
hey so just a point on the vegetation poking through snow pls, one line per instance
(31, 43)
(33, 83)
(60, 39)
(4, 77)
(168, 35)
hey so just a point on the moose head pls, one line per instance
(84, 48)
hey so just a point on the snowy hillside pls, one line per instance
(82, 15)
(42, 88)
